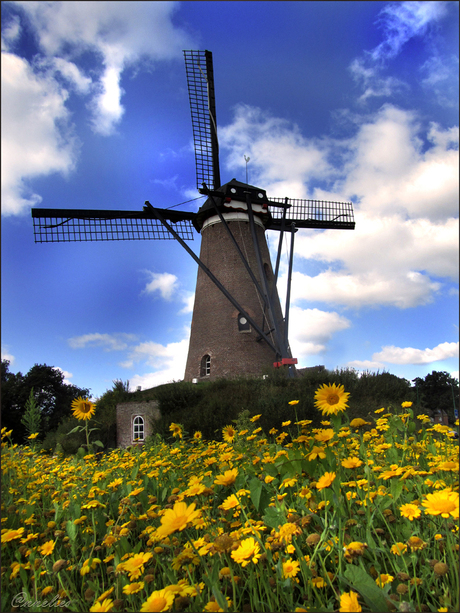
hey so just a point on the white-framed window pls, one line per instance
(138, 428)
(205, 369)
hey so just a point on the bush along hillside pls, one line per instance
(209, 406)
(355, 515)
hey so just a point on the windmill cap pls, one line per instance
(234, 190)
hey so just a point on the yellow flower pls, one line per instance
(47, 590)
(269, 479)
(318, 582)
(293, 402)
(351, 462)
(398, 549)
(406, 405)
(247, 552)
(83, 409)
(416, 543)
(213, 605)
(11, 535)
(290, 568)
(177, 518)
(384, 579)
(105, 605)
(354, 550)
(349, 602)
(133, 588)
(286, 423)
(316, 452)
(47, 548)
(325, 481)
(89, 565)
(197, 436)
(160, 600)
(411, 511)
(331, 399)
(32, 436)
(359, 423)
(227, 478)
(231, 502)
(176, 430)
(255, 417)
(324, 435)
(135, 565)
(228, 434)
(444, 503)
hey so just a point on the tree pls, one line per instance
(32, 417)
(52, 395)
(438, 391)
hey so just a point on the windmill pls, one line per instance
(238, 326)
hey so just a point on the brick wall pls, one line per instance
(126, 412)
(214, 329)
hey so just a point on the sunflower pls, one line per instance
(83, 409)
(176, 430)
(444, 503)
(331, 399)
(349, 602)
(228, 434)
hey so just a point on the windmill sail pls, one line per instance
(71, 225)
(200, 80)
(311, 214)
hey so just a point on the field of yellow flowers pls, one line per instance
(352, 516)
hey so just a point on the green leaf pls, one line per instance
(259, 494)
(363, 583)
(221, 600)
(98, 443)
(274, 517)
(76, 429)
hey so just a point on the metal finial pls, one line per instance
(246, 159)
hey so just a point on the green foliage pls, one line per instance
(32, 417)
(438, 391)
(210, 406)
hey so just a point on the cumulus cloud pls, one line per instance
(6, 355)
(120, 34)
(37, 132)
(310, 330)
(409, 355)
(67, 375)
(165, 283)
(168, 362)
(37, 138)
(110, 342)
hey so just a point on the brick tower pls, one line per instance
(222, 341)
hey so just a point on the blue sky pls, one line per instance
(348, 101)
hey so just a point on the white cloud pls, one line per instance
(120, 34)
(6, 355)
(167, 360)
(36, 135)
(365, 365)
(67, 375)
(165, 283)
(310, 330)
(402, 21)
(110, 342)
(409, 355)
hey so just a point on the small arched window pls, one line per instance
(205, 369)
(138, 428)
(243, 324)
